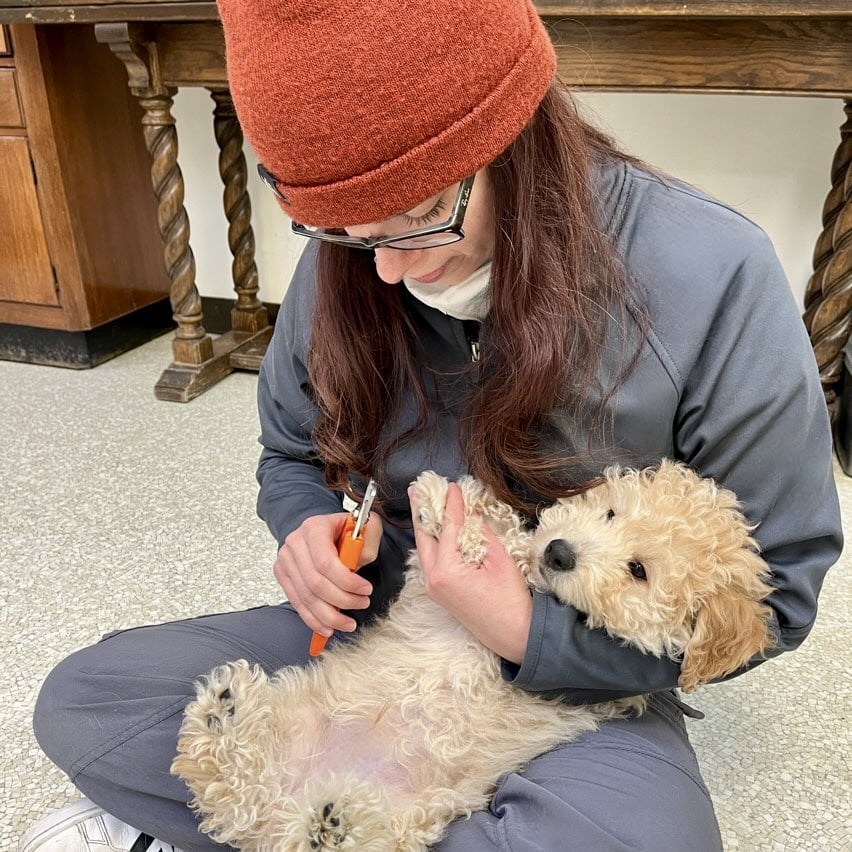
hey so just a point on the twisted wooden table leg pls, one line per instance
(199, 361)
(828, 297)
(191, 344)
(248, 313)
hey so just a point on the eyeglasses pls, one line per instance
(432, 236)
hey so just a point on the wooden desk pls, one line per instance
(758, 47)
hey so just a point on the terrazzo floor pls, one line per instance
(117, 510)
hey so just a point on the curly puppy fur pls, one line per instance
(390, 737)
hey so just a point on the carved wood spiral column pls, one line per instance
(194, 368)
(199, 361)
(828, 297)
(191, 344)
(248, 313)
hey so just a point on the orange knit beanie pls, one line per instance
(365, 108)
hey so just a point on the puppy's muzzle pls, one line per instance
(560, 556)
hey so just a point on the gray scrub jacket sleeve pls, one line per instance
(291, 481)
(292, 486)
(751, 414)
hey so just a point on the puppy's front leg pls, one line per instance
(430, 502)
(481, 506)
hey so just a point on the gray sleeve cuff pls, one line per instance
(565, 658)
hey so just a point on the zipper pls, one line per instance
(471, 333)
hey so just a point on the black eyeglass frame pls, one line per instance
(450, 227)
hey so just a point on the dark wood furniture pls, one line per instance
(79, 242)
(757, 47)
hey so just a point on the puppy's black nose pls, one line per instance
(559, 555)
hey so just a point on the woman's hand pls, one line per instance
(315, 581)
(492, 600)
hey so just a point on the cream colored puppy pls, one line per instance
(388, 738)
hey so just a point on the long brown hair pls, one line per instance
(556, 286)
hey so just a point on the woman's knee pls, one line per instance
(93, 701)
(134, 683)
(57, 712)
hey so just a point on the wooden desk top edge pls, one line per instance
(94, 11)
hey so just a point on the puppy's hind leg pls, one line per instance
(419, 827)
(223, 750)
(345, 813)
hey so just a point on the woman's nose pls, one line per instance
(392, 264)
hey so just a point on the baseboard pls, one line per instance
(81, 350)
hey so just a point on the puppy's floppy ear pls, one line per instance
(731, 626)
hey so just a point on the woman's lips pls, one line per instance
(432, 277)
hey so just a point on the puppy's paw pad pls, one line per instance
(221, 710)
(217, 694)
(327, 830)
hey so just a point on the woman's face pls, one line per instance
(444, 265)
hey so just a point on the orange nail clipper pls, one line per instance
(349, 547)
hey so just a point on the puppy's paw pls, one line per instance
(483, 508)
(326, 829)
(518, 543)
(222, 713)
(220, 693)
(431, 501)
(340, 813)
(224, 749)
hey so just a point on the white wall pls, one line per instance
(767, 156)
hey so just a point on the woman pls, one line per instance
(531, 306)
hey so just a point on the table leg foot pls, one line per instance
(181, 382)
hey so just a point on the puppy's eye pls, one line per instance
(637, 569)
(610, 515)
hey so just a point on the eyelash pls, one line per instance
(426, 218)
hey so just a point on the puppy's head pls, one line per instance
(663, 560)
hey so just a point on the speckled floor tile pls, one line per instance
(117, 509)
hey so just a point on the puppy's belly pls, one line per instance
(362, 751)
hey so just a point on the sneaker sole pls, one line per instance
(49, 826)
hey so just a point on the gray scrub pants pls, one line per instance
(109, 716)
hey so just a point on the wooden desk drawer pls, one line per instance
(5, 44)
(10, 107)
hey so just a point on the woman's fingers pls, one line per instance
(315, 580)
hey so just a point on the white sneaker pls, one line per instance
(84, 827)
